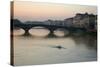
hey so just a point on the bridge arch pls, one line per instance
(61, 32)
(39, 31)
(18, 31)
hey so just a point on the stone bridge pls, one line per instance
(51, 27)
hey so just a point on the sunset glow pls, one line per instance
(33, 11)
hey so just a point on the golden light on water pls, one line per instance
(18, 32)
(39, 32)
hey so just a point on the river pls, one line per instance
(39, 49)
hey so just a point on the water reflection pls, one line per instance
(39, 32)
(87, 40)
(17, 32)
(40, 50)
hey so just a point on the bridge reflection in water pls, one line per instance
(40, 32)
(43, 32)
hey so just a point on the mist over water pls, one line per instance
(40, 50)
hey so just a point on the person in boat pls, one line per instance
(59, 47)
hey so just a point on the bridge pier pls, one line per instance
(26, 33)
(51, 33)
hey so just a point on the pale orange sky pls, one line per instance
(33, 11)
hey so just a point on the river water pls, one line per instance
(40, 50)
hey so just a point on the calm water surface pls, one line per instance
(40, 50)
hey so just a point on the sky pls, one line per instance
(38, 11)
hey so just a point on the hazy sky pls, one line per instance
(33, 11)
